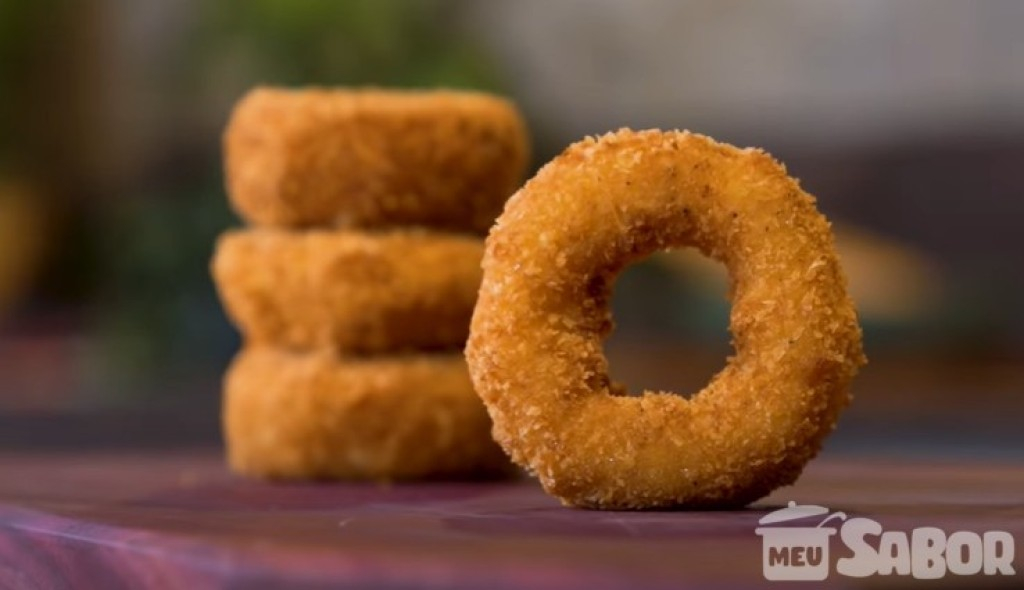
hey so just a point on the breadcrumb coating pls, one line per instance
(318, 416)
(373, 158)
(535, 348)
(353, 292)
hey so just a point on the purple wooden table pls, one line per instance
(180, 521)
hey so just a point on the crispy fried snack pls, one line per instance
(373, 158)
(353, 292)
(535, 347)
(314, 415)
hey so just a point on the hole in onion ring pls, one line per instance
(671, 314)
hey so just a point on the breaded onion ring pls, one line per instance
(353, 292)
(314, 415)
(535, 346)
(373, 158)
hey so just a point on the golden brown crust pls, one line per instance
(373, 158)
(315, 416)
(535, 347)
(354, 292)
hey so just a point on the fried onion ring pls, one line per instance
(373, 158)
(354, 292)
(535, 347)
(315, 415)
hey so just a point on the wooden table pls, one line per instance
(166, 520)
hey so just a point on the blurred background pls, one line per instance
(904, 118)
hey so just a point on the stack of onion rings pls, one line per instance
(355, 286)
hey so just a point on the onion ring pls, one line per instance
(353, 292)
(535, 347)
(373, 158)
(315, 415)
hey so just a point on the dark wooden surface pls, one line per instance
(165, 520)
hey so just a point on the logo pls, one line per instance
(795, 548)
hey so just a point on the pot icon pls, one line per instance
(791, 553)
